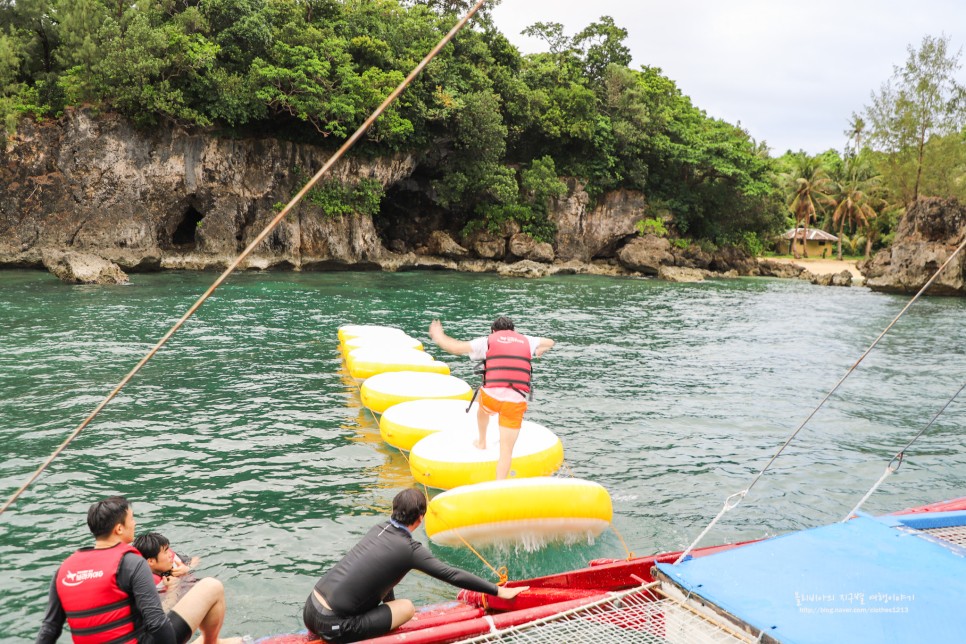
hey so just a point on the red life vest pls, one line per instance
(507, 362)
(97, 609)
(159, 579)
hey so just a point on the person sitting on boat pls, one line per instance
(105, 593)
(507, 357)
(355, 600)
(167, 566)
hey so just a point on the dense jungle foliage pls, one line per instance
(494, 129)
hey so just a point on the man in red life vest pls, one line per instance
(507, 357)
(107, 594)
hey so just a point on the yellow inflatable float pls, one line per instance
(533, 511)
(366, 362)
(405, 424)
(445, 460)
(382, 391)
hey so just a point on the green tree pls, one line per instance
(854, 195)
(35, 23)
(314, 82)
(807, 186)
(921, 101)
(857, 129)
(540, 182)
(154, 72)
(553, 34)
(78, 23)
(602, 44)
(475, 174)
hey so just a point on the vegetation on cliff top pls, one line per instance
(494, 129)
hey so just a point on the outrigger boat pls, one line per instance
(898, 577)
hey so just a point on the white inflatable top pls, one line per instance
(369, 329)
(394, 355)
(416, 384)
(434, 414)
(456, 445)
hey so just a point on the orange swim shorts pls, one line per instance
(511, 413)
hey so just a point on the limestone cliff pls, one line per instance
(172, 198)
(925, 238)
(179, 198)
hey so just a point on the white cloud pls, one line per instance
(791, 72)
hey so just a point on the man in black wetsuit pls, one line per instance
(107, 593)
(354, 600)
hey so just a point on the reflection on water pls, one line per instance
(244, 442)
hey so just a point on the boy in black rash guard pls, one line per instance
(355, 601)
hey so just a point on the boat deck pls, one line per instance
(891, 578)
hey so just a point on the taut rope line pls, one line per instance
(893, 465)
(733, 500)
(251, 247)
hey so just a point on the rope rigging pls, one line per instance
(732, 501)
(893, 465)
(251, 247)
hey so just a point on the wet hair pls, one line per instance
(150, 544)
(103, 516)
(502, 323)
(408, 506)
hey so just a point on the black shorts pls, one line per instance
(182, 632)
(332, 628)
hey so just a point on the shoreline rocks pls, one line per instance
(926, 237)
(133, 200)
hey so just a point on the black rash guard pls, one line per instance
(367, 574)
(134, 578)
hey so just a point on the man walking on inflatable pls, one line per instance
(506, 357)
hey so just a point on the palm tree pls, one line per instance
(855, 132)
(807, 185)
(854, 196)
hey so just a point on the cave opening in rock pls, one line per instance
(184, 234)
(407, 216)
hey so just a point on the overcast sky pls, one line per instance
(792, 73)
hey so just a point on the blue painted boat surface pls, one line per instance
(871, 579)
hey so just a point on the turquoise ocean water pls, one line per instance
(243, 444)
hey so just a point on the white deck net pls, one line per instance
(952, 534)
(638, 615)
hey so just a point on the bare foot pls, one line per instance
(478, 445)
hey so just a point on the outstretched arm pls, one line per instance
(446, 343)
(545, 345)
(510, 593)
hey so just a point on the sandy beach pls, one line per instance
(822, 266)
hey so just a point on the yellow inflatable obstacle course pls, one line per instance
(445, 460)
(533, 510)
(382, 391)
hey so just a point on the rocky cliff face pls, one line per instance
(172, 198)
(927, 235)
(585, 232)
(175, 198)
